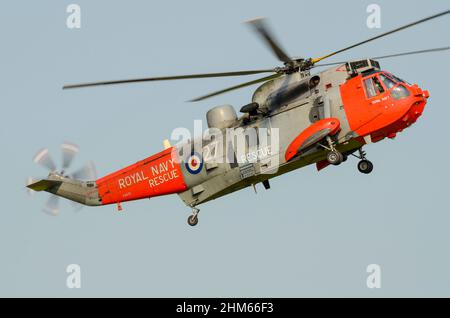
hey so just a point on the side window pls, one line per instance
(373, 86)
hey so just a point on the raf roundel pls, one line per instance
(194, 163)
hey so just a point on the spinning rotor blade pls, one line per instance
(52, 205)
(394, 55)
(86, 173)
(260, 80)
(263, 30)
(43, 158)
(168, 78)
(382, 35)
(69, 151)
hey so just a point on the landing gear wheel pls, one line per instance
(335, 157)
(192, 220)
(365, 166)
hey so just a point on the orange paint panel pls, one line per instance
(157, 175)
(328, 125)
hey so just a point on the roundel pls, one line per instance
(194, 163)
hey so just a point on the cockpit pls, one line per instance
(377, 83)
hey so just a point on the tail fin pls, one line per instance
(44, 185)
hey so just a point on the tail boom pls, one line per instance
(157, 175)
(84, 192)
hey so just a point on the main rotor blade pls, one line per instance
(263, 30)
(394, 55)
(264, 79)
(382, 35)
(412, 52)
(168, 78)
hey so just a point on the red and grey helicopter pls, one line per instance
(318, 118)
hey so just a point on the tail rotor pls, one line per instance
(69, 151)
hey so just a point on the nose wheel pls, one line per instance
(193, 218)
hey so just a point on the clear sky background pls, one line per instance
(312, 234)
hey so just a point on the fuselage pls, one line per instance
(369, 106)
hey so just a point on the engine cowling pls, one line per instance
(221, 116)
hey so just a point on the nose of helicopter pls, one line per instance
(413, 107)
(418, 101)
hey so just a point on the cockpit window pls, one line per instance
(398, 79)
(399, 92)
(388, 82)
(373, 86)
(378, 85)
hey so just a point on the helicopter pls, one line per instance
(320, 119)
